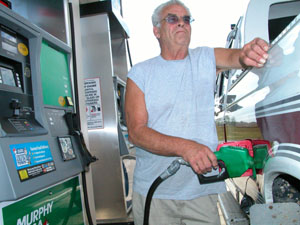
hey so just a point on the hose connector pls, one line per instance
(173, 168)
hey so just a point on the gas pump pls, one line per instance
(41, 153)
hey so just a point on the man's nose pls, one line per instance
(180, 22)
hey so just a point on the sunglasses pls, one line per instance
(174, 19)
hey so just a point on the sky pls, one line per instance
(213, 19)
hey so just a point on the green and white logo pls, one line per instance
(58, 205)
(36, 216)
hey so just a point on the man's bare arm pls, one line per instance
(200, 157)
(253, 54)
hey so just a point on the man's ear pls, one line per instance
(156, 32)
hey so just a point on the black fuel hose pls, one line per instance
(171, 170)
(149, 198)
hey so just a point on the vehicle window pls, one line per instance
(280, 15)
(276, 26)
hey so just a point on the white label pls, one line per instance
(93, 103)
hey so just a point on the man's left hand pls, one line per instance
(254, 53)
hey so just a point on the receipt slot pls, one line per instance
(40, 158)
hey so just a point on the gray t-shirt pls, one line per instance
(179, 97)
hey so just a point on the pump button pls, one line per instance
(21, 125)
(27, 72)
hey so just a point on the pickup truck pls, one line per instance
(264, 103)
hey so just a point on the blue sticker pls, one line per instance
(31, 154)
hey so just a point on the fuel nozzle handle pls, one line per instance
(233, 162)
(216, 178)
(175, 165)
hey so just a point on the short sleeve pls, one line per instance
(137, 75)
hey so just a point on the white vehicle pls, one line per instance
(264, 104)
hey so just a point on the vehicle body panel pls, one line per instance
(264, 103)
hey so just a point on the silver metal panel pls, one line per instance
(233, 215)
(287, 213)
(119, 58)
(48, 15)
(82, 106)
(107, 171)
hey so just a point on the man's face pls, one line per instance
(177, 34)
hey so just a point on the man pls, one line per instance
(170, 114)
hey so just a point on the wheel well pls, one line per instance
(286, 188)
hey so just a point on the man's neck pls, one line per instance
(174, 53)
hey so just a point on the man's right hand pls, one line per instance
(200, 158)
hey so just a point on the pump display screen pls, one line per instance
(9, 42)
(7, 76)
(8, 37)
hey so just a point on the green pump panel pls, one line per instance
(60, 204)
(55, 74)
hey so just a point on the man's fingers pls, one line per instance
(205, 164)
(258, 53)
(213, 159)
(263, 44)
(197, 168)
(201, 159)
(256, 63)
(255, 53)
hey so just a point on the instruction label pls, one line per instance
(32, 159)
(93, 103)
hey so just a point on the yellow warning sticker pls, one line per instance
(23, 49)
(62, 101)
(23, 174)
